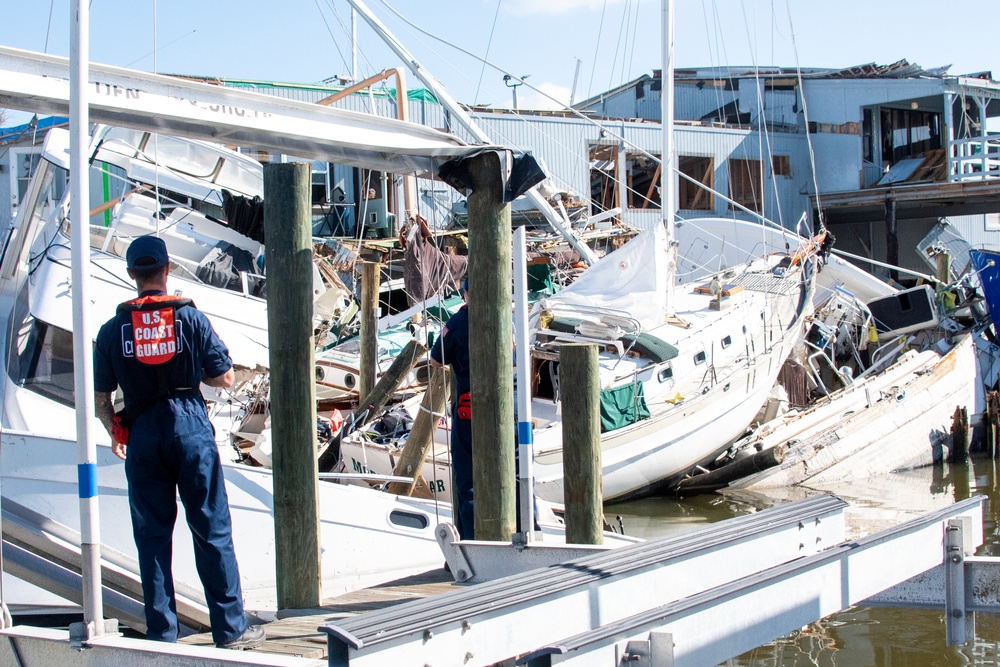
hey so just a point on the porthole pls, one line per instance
(699, 358)
(665, 374)
(320, 374)
(727, 341)
(349, 381)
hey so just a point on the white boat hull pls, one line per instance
(896, 420)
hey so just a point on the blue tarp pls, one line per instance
(8, 134)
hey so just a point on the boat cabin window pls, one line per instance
(700, 357)
(408, 519)
(727, 341)
(42, 360)
(665, 374)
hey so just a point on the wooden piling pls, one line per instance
(942, 262)
(368, 362)
(491, 346)
(376, 399)
(992, 423)
(579, 384)
(288, 266)
(960, 436)
(421, 433)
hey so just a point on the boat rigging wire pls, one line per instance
(340, 53)
(805, 115)
(597, 48)
(486, 55)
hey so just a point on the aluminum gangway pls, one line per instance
(693, 599)
(46, 553)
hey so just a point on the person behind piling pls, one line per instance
(159, 349)
(452, 348)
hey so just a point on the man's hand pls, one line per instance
(118, 449)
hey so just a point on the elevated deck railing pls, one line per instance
(974, 159)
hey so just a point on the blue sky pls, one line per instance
(615, 40)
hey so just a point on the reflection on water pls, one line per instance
(860, 636)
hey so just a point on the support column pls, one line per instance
(491, 346)
(949, 135)
(288, 253)
(891, 238)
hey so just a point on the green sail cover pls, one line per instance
(622, 406)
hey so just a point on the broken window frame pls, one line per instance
(691, 197)
(642, 174)
(746, 183)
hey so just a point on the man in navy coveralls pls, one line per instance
(170, 443)
(452, 347)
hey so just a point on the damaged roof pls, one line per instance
(901, 69)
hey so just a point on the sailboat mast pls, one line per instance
(465, 120)
(667, 194)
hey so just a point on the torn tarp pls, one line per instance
(520, 173)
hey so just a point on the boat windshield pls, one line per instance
(42, 360)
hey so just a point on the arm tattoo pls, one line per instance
(104, 408)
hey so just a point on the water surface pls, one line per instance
(860, 636)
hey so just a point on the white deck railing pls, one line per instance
(974, 159)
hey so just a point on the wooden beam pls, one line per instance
(421, 433)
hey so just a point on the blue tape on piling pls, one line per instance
(87, 478)
(524, 433)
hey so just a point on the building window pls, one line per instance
(603, 177)
(643, 174)
(746, 185)
(781, 165)
(908, 133)
(691, 196)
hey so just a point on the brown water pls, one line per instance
(860, 636)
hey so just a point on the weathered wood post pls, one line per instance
(491, 345)
(942, 262)
(960, 436)
(579, 384)
(993, 423)
(288, 266)
(368, 362)
(422, 432)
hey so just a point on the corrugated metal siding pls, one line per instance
(981, 231)
(693, 104)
